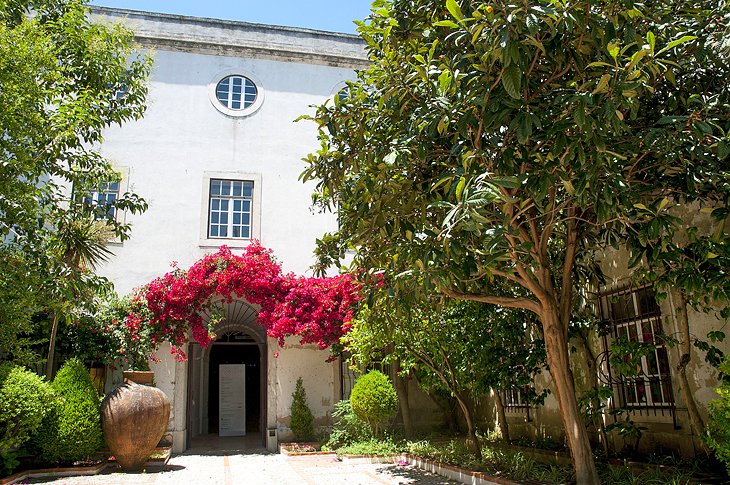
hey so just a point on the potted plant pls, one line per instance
(134, 416)
(127, 341)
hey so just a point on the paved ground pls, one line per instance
(261, 467)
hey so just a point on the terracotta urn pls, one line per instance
(134, 419)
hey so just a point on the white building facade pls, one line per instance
(217, 157)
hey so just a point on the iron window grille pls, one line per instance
(634, 316)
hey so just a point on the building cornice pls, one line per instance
(242, 39)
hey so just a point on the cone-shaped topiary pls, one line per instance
(71, 431)
(302, 420)
(374, 399)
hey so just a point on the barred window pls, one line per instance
(634, 316)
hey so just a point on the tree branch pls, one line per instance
(505, 301)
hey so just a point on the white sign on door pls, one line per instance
(232, 400)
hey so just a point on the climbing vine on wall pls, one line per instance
(318, 310)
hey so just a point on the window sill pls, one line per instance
(230, 242)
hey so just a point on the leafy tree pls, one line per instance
(64, 80)
(507, 141)
(464, 348)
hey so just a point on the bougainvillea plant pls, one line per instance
(178, 304)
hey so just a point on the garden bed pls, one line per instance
(302, 449)
(159, 459)
(58, 472)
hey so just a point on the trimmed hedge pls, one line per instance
(374, 399)
(72, 431)
(25, 399)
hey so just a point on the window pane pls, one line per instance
(236, 231)
(651, 364)
(246, 205)
(213, 231)
(237, 186)
(663, 361)
(215, 187)
(225, 187)
(224, 218)
(214, 218)
(646, 332)
(224, 205)
(247, 189)
(223, 231)
(656, 391)
(245, 231)
(236, 218)
(237, 205)
(215, 204)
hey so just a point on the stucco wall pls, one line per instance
(165, 158)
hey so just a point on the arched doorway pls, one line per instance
(240, 341)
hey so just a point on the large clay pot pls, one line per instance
(134, 418)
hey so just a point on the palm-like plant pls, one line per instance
(78, 246)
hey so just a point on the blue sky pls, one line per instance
(332, 15)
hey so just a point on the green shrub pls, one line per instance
(72, 431)
(374, 399)
(718, 427)
(302, 420)
(348, 427)
(384, 447)
(25, 399)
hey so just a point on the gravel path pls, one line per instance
(261, 468)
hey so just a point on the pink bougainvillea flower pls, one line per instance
(317, 310)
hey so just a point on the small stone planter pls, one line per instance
(302, 449)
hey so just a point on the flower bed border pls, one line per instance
(448, 471)
(284, 449)
(59, 472)
(81, 471)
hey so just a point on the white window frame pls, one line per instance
(255, 230)
(236, 113)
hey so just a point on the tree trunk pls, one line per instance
(696, 423)
(501, 416)
(558, 357)
(471, 426)
(52, 346)
(401, 388)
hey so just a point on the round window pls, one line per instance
(236, 92)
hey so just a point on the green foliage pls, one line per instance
(348, 428)
(509, 142)
(374, 399)
(373, 447)
(111, 336)
(64, 81)
(72, 430)
(302, 420)
(25, 399)
(718, 428)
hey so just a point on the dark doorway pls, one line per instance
(232, 349)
